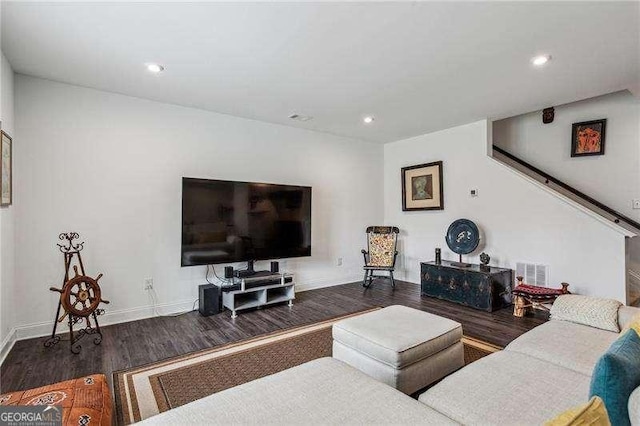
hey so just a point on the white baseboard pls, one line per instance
(30, 331)
(41, 329)
(7, 344)
(322, 283)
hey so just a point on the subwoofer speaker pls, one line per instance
(209, 299)
(275, 267)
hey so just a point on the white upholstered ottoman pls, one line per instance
(400, 346)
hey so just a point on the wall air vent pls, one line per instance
(533, 274)
(300, 117)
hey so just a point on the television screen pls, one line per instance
(227, 221)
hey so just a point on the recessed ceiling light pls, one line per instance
(540, 60)
(155, 68)
(368, 119)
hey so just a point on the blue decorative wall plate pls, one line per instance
(463, 236)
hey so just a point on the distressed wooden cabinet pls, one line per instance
(478, 287)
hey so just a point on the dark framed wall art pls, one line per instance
(422, 187)
(587, 138)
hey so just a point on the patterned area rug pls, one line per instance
(148, 390)
(475, 349)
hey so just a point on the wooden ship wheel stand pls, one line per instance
(79, 296)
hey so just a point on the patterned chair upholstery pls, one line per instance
(84, 401)
(381, 254)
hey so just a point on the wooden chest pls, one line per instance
(478, 287)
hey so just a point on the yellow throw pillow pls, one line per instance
(633, 325)
(593, 413)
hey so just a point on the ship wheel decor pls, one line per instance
(80, 297)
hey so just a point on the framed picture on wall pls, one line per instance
(587, 138)
(422, 187)
(6, 172)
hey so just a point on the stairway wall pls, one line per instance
(519, 221)
(614, 178)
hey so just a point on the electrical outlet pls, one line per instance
(339, 262)
(636, 204)
(148, 284)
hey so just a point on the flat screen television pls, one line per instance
(227, 221)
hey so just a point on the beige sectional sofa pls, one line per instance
(540, 374)
(537, 376)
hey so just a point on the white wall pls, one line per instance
(614, 178)
(7, 281)
(520, 221)
(110, 167)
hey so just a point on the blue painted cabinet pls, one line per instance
(485, 288)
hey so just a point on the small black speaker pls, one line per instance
(275, 267)
(228, 271)
(209, 300)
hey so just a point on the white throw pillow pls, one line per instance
(591, 311)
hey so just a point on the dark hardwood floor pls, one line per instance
(135, 343)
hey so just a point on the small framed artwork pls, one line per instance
(422, 187)
(587, 138)
(6, 172)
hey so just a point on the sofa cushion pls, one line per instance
(566, 344)
(586, 310)
(593, 413)
(617, 375)
(397, 335)
(633, 324)
(323, 391)
(507, 388)
(634, 407)
(626, 315)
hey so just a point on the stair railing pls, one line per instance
(550, 179)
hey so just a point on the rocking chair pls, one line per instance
(381, 256)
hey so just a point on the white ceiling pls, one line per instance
(417, 67)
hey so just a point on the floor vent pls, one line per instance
(533, 274)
